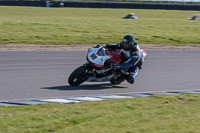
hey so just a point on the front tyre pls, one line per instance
(78, 76)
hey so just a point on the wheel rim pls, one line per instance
(80, 78)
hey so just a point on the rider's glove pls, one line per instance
(115, 66)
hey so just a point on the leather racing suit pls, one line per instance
(131, 60)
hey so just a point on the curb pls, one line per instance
(91, 98)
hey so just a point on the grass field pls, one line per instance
(39, 25)
(154, 114)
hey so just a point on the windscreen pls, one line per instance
(101, 52)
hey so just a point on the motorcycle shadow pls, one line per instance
(85, 87)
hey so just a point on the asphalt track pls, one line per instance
(39, 74)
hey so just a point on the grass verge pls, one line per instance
(40, 25)
(167, 114)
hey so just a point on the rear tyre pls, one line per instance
(78, 76)
(118, 80)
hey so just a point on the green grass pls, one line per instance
(39, 25)
(154, 114)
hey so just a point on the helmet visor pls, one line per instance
(127, 45)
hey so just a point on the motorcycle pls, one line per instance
(98, 67)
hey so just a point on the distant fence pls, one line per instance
(99, 4)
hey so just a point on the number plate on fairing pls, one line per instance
(92, 57)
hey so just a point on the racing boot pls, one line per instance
(130, 79)
(132, 75)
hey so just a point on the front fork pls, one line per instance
(90, 69)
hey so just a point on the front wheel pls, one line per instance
(78, 76)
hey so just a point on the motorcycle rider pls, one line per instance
(131, 57)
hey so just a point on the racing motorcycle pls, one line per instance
(98, 67)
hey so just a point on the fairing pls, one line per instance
(97, 57)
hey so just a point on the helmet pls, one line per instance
(128, 42)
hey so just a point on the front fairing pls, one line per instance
(101, 57)
(95, 59)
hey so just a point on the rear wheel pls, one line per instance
(118, 80)
(78, 76)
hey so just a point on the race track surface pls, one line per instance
(37, 74)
